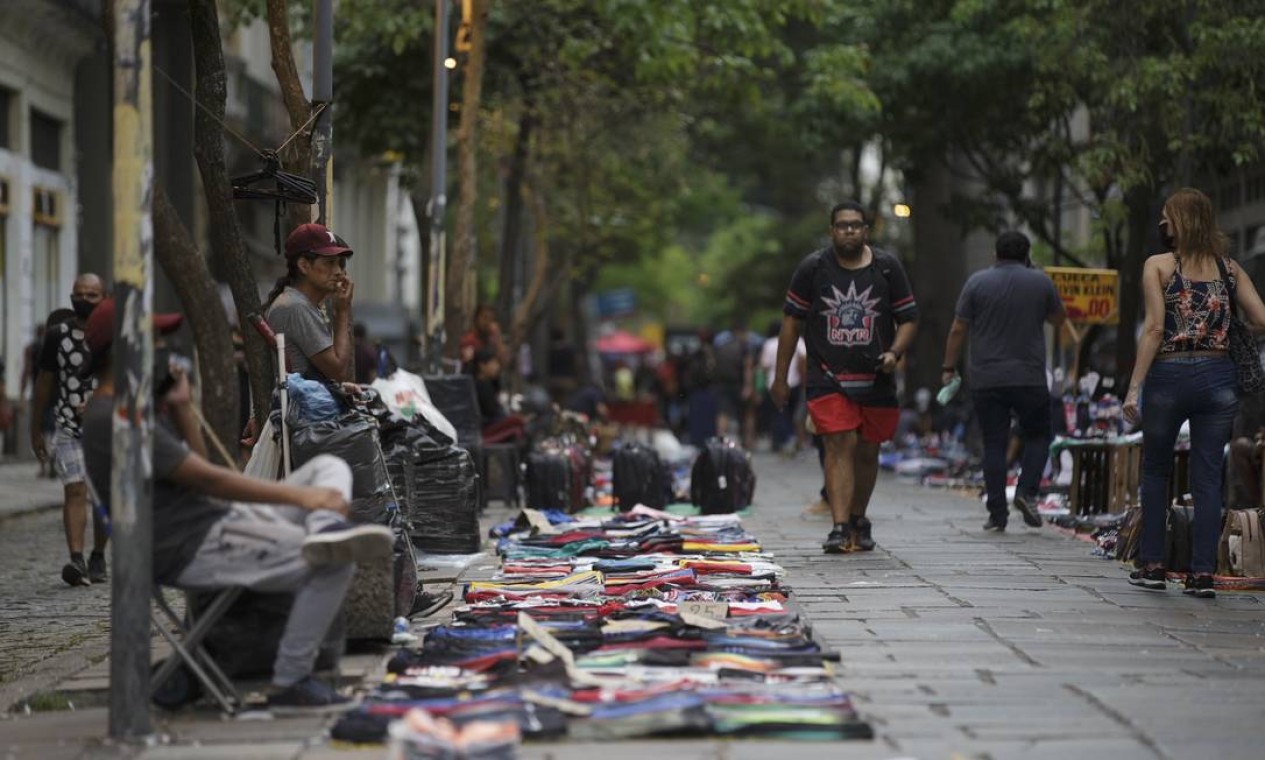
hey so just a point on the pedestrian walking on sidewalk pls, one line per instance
(1184, 373)
(1003, 310)
(856, 311)
(59, 386)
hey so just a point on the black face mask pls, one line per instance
(1166, 238)
(82, 308)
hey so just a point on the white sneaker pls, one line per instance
(342, 543)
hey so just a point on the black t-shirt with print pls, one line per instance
(850, 318)
(65, 354)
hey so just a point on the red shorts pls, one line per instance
(836, 413)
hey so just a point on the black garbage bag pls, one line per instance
(352, 438)
(444, 509)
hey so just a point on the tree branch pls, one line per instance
(298, 154)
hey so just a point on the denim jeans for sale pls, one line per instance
(1203, 391)
(993, 407)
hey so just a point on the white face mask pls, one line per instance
(922, 399)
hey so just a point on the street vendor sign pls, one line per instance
(1089, 295)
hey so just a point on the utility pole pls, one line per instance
(323, 98)
(437, 257)
(131, 490)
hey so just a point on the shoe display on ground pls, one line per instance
(426, 603)
(837, 540)
(75, 573)
(994, 525)
(1153, 578)
(1199, 585)
(306, 697)
(1028, 508)
(344, 542)
(862, 540)
(96, 568)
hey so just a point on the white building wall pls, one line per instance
(39, 49)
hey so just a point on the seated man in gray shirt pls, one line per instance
(215, 528)
(316, 274)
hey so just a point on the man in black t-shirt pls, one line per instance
(59, 387)
(854, 307)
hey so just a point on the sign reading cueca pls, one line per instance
(1089, 295)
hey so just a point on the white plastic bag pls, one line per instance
(405, 394)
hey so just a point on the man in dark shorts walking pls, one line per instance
(854, 307)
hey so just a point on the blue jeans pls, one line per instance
(993, 407)
(1203, 391)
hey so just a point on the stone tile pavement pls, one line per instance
(956, 644)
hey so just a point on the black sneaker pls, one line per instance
(426, 603)
(308, 696)
(1024, 506)
(1155, 578)
(1200, 586)
(837, 540)
(96, 568)
(75, 572)
(862, 541)
(995, 525)
(343, 542)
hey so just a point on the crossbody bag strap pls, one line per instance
(1229, 283)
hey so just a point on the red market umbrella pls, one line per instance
(620, 342)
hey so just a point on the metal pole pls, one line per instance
(131, 489)
(323, 95)
(437, 259)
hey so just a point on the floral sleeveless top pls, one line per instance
(1196, 313)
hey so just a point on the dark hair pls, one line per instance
(359, 330)
(1013, 245)
(481, 357)
(775, 329)
(289, 278)
(58, 316)
(849, 206)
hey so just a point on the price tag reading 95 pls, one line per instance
(710, 610)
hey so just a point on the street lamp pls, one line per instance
(902, 211)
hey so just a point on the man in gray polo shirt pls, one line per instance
(1004, 310)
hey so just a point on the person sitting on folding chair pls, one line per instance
(499, 426)
(214, 528)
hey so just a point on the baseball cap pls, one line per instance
(99, 330)
(315, 239)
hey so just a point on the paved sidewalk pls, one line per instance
(956, 643)
(21, 491)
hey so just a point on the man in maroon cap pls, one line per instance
(318, 345)
(214, 527)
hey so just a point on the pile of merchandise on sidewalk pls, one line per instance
(640, 623)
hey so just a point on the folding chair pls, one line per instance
(187, 650)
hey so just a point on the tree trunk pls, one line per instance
(189, 274)
(528, 310)
(462, 270)
(513, 228)
(226, 234)
(1139, 203)
(297, 157)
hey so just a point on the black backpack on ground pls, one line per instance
(549, 480)
(557, 476)
(722, 480)
(639, 477)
